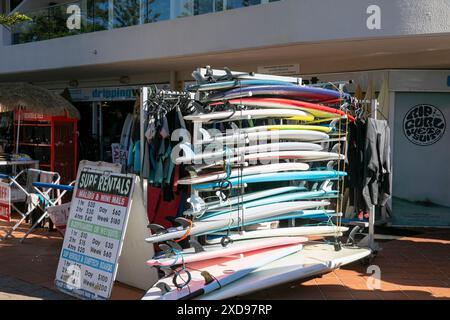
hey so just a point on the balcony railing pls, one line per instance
(86, 16)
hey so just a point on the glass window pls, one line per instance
(97, 15)
(203, 6)
(126, 13)
(156, 10)
(233, 4)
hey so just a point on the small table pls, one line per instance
(29, 163)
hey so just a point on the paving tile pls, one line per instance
(394, 295)
(419, 295)
(365, 295)
(338, 296)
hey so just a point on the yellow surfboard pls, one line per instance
(300, 127)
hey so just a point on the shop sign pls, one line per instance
(119, 155)
(30, 116)
(424, 125)
(104, 94)
(59, 216)
(280, 70)
(5, 202)
(94, 235)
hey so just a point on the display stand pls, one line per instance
(317, 257)
(51, 140)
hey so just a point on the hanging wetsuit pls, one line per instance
(377, 180)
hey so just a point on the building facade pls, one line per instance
(103, 50)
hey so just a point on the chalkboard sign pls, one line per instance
(95, 232)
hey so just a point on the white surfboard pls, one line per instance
(201, 206)
(222, 271)
(264, 136)
(278, 167)
(191, 157)
(284, 232)
(250, 114)
(217, 251)
(233, 219)
(309, 156)
(314, 259)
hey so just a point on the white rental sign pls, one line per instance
(95, 233)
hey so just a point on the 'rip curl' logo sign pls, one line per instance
(424, 125)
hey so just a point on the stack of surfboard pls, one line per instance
(272, 133)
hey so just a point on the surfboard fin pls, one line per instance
(168, 252)
(197, 246)
(157, 229)
(208, 277)
(164, 287)
(174, 246)
(185, 223)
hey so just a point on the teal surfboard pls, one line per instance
(275, 177)
(307, 214)
(318, 195)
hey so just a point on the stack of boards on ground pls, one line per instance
(208, 275)
(294, 125)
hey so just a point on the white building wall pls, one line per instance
(270, 25)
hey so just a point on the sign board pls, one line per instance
(5, 202)
(280, 70)
(421, 178)
(59, 216)
(95, 232)
(119, 155)
(122, 93)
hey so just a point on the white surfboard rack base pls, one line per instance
(313, 260)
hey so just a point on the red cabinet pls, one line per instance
(51, 140)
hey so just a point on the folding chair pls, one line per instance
(25, 193)
(44, 190)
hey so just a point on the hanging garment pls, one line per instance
(137, 157)
(355, 168)
(377, 180)
(158, 209)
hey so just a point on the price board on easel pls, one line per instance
(95, 232)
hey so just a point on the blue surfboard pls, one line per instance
(275, 177)
(305, 93)
(226, 85)
(318, 195)
(307, 214)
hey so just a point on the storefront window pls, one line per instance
(126, 13)
(234, 4)
(97, 15)
(156, 10)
